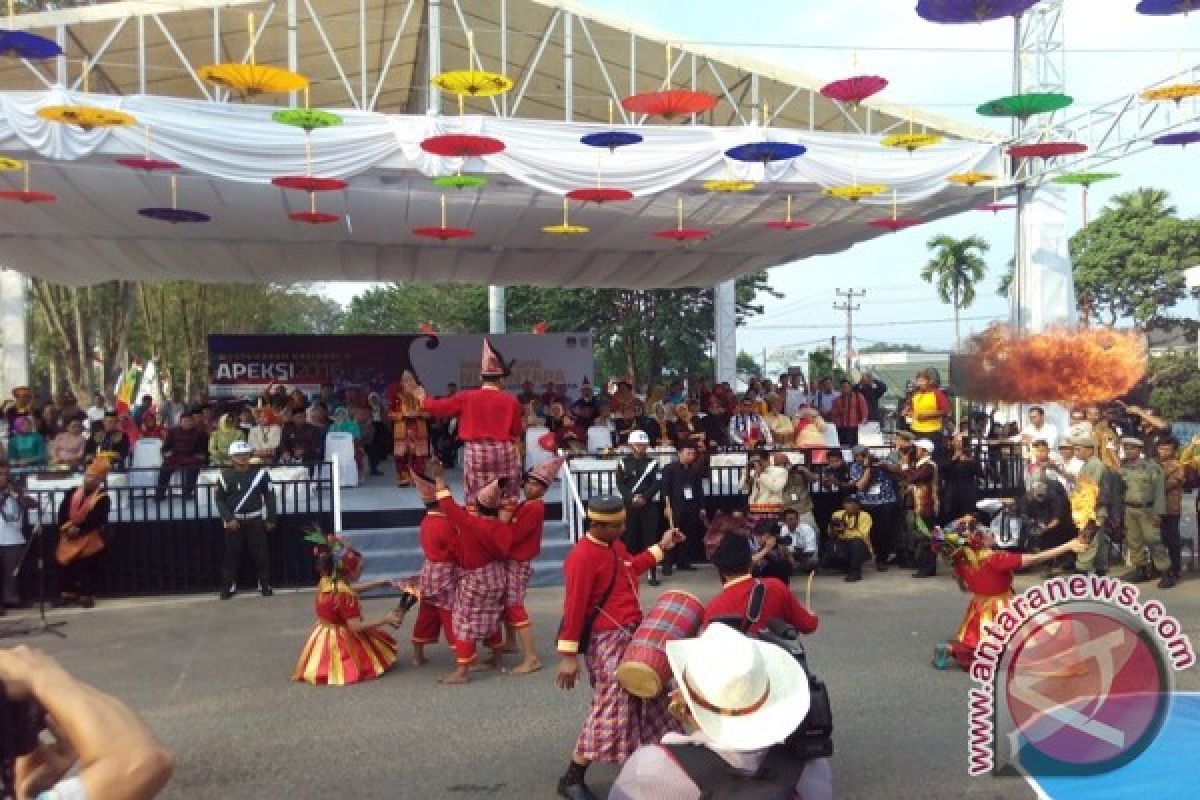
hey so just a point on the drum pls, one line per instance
(644, 671)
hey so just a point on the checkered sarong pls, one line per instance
(617, 722)
(517, 577)
(483, 462)
(439, 579)
(479, 602)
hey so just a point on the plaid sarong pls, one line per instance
(617, 722)
(439, 579)
(483, 462)
(517, 577)
(479, 602)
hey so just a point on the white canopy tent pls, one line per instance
(229, 153)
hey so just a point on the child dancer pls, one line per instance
(343, 647)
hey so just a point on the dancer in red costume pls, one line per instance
(490, 424)
(439, 574)
(527, 526)
(988, 575)
(410, 429)
(343, 647)
(484, 542)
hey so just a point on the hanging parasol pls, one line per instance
(954, 12)
(1183, 138)
(1175, 92)
(444, 232)
(1047, 149)
(309, 119)
(670, 103)
(1024, 106)
(471, 82)
(611, 139)
(970, 178)
(566, 228)
(26, 195)
(312, 216)
(174, 214)
(765, 152)
(86, 117)
(600, 195)
(855, 191)
(460, 181)
(462, 145)
(10, 164)
(911, 141)
(23, 44)
(895, 222)
(996, 208)
(1163, 8)
(787, 223)
(1085, 179)
(680, 233)
(309, 183)
(854, 90)
(728, 186)
(147, 163)
(252, 79)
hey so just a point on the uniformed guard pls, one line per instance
(1097, 504)
(247, 507)
(1145, 503)
(638, 482)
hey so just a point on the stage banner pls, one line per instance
(245, 365)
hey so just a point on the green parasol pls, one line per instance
(1024, 106)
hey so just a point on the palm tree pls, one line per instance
(957, 265)
(1150, 202)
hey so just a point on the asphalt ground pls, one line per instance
(212, 679)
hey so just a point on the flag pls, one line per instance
(148, 385)
(127, 386)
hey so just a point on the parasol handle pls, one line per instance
(470, 50)
(174, 193)
(308, 155)
(895, 200)
(679, 213)
(443, 211)
(808, 590)
(766, 115)
(26, 176)
(610, 111)
(306, 105)
(789, 209)
(250, 30)
(12, 15)
(462, 105)
(312, 202)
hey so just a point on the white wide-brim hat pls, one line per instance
(745, 694)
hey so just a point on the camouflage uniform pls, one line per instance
(1145, 503)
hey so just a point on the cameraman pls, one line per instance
(716, 672)
(733, 560)
(773, 556)
(117, 755)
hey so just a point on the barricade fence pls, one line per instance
(175, 544)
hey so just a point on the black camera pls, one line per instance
(784, 540)
(813, 738)
(21, 722)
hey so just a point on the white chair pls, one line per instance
(831, 437)
(341, 444)
(535, 454)
(870, 435)
(147, 456)
(599, 439)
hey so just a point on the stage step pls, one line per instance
(378, 518)
(396, 552)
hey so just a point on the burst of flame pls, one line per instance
(1074, 367)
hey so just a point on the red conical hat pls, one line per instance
(545, 473)
(489, 496)
(493, 365)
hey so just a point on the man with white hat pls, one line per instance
(740, 696)
(922, 479)
(638, 481)
(246, 504)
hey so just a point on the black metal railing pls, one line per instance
(175, 544)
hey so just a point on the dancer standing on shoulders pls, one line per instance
(490, 425)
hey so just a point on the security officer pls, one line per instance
(638, 482)
(1100, 485)
(1145, 503)
(247, 507)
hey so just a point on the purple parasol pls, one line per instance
(954, 12)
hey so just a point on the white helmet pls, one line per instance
(240, 448)
(639, 437)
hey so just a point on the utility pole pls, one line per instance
(849, 306)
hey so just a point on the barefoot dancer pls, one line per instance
(439, 574)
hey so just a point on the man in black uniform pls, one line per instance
(638, 481)
(682, 486)
(247, 507)
(1046, 510)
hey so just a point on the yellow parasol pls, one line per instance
(471, 82)
(253, 79)
(86, 117)
(970, 178)
(566, 228)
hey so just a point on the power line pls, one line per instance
(873, 324)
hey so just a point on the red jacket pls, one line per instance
(483, 414)
(527, 531)
(481, 540)
(439, 540)
(589, 571)
(778, 603)
(849, 410)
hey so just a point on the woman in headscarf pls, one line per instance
(69, 447)
(783, 430)
(810, 433)
(218, 443)
(26, 447)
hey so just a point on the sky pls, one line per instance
(1111, 51)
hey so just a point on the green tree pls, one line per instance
(820, 365)
(1174, 384)
(747, 365)
(957, 265)
(1129, 261)
(889, 347)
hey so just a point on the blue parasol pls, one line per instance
(30, 46)
(953, 12)
(1163, 8)
(174, 215)
(610, 139)
(763, 152)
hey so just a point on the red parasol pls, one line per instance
(854, 90)
(443, 232)
(787, 223)
(670, 103)
(25, 194)
(1047, 149)
(309, 183)
(462, 145)
(313, 217)
(148, 164)
(894, 224)
(600, 194)
(996, 208)
(680, 233)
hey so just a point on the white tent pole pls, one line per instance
(496, 310)
(14, 334)
(725, 318)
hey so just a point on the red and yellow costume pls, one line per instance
(439, 580)
(410, 434)
(335, 653)
(988, 575)
(490, 423)
(483, 546)
(527, 544)
(617, 722)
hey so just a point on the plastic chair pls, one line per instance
(147, 456)
(341, 444)
(599, 439)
